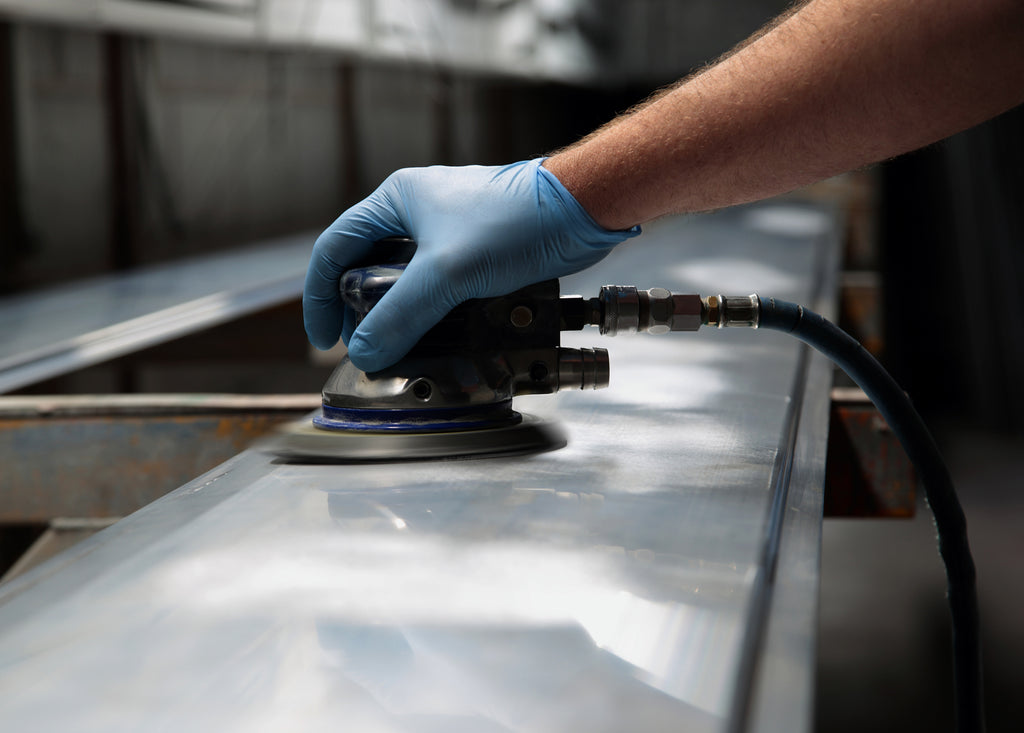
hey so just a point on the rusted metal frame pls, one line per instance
(860, 308)
(868, 473)
(83, 456)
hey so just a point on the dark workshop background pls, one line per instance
(119, 149)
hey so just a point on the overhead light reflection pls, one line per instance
(411, 580)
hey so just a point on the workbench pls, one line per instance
(660, 573)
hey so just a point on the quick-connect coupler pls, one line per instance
(623, 308)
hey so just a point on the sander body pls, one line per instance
(451, 395)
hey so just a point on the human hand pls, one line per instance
(480, 232)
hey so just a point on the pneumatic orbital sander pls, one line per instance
(451, 395)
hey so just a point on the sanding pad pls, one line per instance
(302, 442)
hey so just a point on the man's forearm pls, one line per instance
(834, 86)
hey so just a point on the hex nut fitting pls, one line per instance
(672, 312)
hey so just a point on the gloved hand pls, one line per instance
(480, 232)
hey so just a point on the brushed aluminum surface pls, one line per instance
(657, 574)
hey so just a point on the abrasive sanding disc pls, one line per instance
(302, 442)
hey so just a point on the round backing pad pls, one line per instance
(301, 442)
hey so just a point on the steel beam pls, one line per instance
(660, 573)
(61, 329)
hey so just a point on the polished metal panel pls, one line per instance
(61, 329)
(657, 574)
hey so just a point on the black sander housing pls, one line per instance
(451, 395)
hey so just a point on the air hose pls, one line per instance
(625, 308)
(951, 525)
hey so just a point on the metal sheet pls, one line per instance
(52, 332)
(634, 580)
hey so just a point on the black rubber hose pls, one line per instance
(950, 523)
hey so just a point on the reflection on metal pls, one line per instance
(56, 331)
(657, 574)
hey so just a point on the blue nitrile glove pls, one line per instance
(480, 232)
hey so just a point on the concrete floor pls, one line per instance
(884, 661)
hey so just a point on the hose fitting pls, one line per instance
(624, 308)
(741, 311)
(582, 368)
